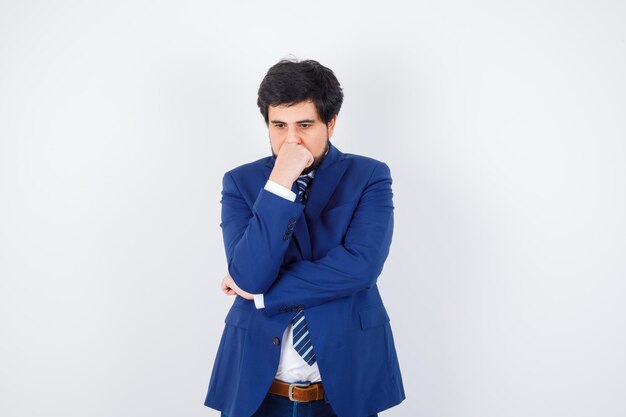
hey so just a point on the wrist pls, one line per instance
(283, 180)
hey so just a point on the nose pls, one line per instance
(292, 135)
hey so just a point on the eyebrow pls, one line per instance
(298, 122)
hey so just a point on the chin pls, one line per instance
(317, 161)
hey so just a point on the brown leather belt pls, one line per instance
(298, 392)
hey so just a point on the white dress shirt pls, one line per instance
(291, 367)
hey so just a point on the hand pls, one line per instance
(291, 160)
(230, 288)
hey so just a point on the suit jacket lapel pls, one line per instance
(327, 177)
(301, 231)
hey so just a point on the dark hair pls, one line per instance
(289, 82)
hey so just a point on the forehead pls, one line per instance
(299, 111)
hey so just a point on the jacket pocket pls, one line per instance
(238, 317)
(373, 317)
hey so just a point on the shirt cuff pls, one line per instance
(279, 190)
(258, 301)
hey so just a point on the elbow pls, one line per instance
(372, 276)
(367, 266)
(250, 281)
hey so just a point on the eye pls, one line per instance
(279, 125)
(305, 125)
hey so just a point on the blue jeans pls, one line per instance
(278, 406)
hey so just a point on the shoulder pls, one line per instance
(366, 164)
(247, 179)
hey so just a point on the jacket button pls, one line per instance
(290, 226)
(276, 341)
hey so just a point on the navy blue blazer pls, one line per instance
(325, 258)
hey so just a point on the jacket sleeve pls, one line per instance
(256, 239)
(350, 267)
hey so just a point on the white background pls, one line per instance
(504, 127)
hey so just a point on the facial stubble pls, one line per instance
(317, 159)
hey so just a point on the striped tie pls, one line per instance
(303, 182)
(301, 338)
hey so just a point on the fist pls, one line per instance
(229, 287)
(291, 160)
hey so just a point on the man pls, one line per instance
(306, 234)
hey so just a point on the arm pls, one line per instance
(351, 266)
(256, 239)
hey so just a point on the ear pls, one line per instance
(331, 126)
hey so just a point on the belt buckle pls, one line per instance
(296, 384)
